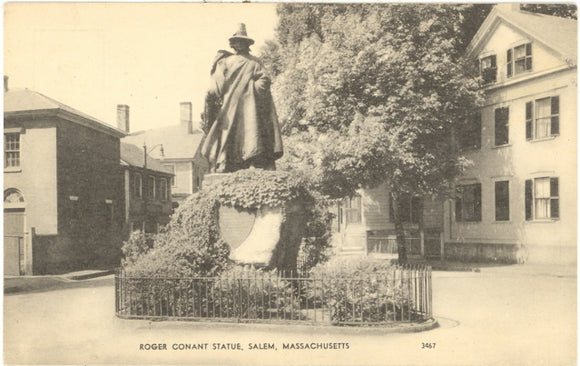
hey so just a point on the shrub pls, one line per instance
(251, 294)
(256, 188)
(138, 244)
(360, 290)
(190, 244)
(242, 293)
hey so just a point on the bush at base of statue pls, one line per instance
(191, 245)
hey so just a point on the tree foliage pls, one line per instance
(372, 93)
(377, 89)
(559, 10)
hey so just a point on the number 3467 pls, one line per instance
(427, 345)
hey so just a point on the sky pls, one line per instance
(150, 56)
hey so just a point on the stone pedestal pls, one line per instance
(268, 237)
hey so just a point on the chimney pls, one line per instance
(185, 117)
(123, 117)
(5, 83)
(514, 7)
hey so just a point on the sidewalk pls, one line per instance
(18, 284)
(532, 269)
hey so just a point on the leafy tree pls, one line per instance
(378, 89)
(559, 10)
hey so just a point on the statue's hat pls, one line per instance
(241, 34)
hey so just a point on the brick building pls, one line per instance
(63, 187)
(148, 203)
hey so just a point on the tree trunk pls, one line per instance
(399, 229)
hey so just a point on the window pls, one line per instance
(12, 150)
(502, 201)
(170, 168)
(352, 209)
(163, 189)
(151, 188)
(410, 209)
(470, 136)
(488, 69)
(137, 185)
(502, 116)
(108, 213)
(543, 120)
(519, 59)
(468, 202)
(542, 198)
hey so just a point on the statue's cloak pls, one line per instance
(240, 115)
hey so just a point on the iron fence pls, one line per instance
(402, 294)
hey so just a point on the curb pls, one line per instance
(32, 284)
(90, 275)
(429, 324)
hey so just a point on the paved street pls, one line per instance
(515, 315)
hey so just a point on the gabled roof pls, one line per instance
(177, 143)
(24, 102)
(555, 33)
(132, 155)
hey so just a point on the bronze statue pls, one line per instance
(239, 117)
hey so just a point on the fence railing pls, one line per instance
(402, 294)
(387, 244)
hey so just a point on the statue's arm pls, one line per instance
(213, 98)
(262, 81)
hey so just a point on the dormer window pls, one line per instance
(488, 69)
(519, 59)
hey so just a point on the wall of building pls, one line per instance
(90, 197)
(548, 240)
(506, 36)
(158, 211)
(376, 222)
(36, 181)
(183, 177)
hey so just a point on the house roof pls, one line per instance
(556, 33)
(177, 143)
(25, 102)
(132, 155)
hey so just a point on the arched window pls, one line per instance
(13, 196)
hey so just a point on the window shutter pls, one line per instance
(554, 199)
(528, 56)
(529, 198)
(502, 207)
(529, 107)
(458, 204)
(554, 187)
(501, 126)
(477, 203)
(416, 209)
(494, 67)
(509, 63)
(555, 208)
(477, 134)
(391, 209)
(555, 123)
